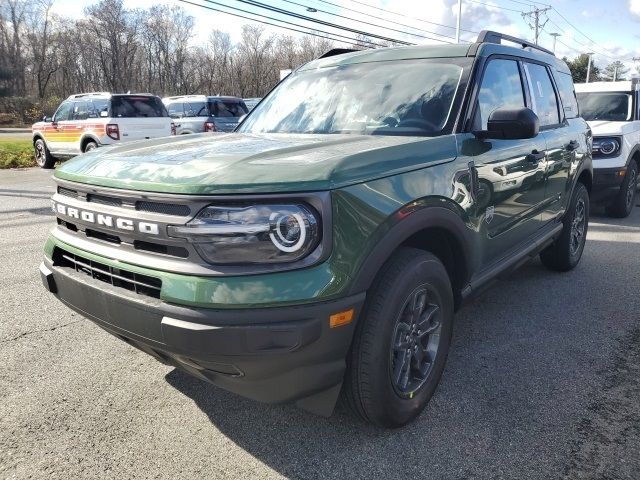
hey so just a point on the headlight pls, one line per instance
(606, 146)
(251, 234)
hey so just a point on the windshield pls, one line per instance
(227, 108)
(612, 106)
(124, 106)
(400, 97)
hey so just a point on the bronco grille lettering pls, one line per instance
(106, 220)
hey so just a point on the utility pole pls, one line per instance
(458, 21)
(555, 37)
(535, 16)
(589, 54)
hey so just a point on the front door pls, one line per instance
(511, 173)
(55, 135)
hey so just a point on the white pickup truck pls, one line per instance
(612, 110)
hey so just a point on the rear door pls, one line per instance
(510, 172)
(562, 131)
(140, 117)
(196, 114)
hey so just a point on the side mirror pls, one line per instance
(104, 113)
(47, 119)
(512, 124)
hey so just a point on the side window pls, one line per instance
(567, 95)
(175, 110)
(81, 110)
(543, 96)
(501, 88)
(64, 112)
(99, 105)
(195, 109)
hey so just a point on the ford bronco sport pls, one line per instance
(324, 246)
(612, 110)
(89, 120)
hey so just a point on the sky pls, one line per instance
(608, 28)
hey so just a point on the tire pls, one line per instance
(409, 277)
(43, 157)
(90, 145)
(565, 252)
(625, 200)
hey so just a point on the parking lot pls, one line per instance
(543, 381)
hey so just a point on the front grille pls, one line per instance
(170, 250)
(118, 277)
(68, 192)
(104, 200)
(106, 237)
(164, 208)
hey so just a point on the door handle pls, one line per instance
(573, 145)
(535, 157)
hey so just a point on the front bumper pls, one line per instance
(272, 355)
(606, 183)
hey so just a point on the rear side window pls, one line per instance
(137, 106)
(543, 96)
(100, 105)
(175, 110)
(227, 108)
(501, 88)
(82, 110)
(196, 109)
(567, 95)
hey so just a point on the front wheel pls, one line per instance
(43, 157)
(401, 341)
(565, 252)
(626, 197)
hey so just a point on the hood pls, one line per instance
(245, 163)
(607, 127)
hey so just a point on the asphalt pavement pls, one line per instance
(543, 381)
(15, 133)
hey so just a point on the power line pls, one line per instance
(360, 12)
(496, 6)
(583, 44)
(322, 22)
(368, 23)
(529, 4)
(331, 36)
(405, 16)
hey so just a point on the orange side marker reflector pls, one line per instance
(342, 318)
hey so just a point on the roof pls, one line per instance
(390, 53)
(489, 46)
(624, 86)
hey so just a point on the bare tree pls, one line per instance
(115, 34)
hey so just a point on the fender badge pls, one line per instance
(488, 216)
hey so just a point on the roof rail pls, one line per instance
(90, 94)
(489, 36)
(179, 97)
(338, 51)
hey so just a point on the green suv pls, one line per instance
(323, 247)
